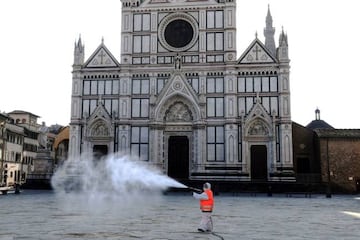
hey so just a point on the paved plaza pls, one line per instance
(46, 215)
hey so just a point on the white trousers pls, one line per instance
(206, 223)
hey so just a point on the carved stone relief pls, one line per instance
(258, 128)
(178, 112)
(99, 130)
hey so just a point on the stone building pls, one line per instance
(31, 163)
(61, 145)
(28, 121)
(305, 153)
(180, 99)
(339, 153)
(30, 145)
(11, 152)
(326, 159)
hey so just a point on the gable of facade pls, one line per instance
(101, 58)
(256, 53)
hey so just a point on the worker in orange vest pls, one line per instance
(206, 205)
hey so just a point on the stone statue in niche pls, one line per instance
(258, 129)
(177, 62)
(178, 112)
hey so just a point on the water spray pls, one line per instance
(119, 175)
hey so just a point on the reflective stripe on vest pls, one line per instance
(207, 205)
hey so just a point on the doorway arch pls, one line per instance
(178, 157)
(259, 169)
(100, 151)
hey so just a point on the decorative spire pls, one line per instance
(79, 50)
(283, 38)
(269, 20)
(283, 50)
(79, 42)
(269, 32)
(317, 114)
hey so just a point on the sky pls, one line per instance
(37, 42)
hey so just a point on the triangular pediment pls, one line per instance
(258, 111)
(258, 121)
(99, 123)
(100, 112)
(177, 94)
(101, 58)
(178, 84)
(256, 53)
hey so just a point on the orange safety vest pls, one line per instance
(207, 205)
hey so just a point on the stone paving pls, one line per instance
(46, 215)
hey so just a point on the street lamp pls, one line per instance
(328, 189)
(3, 129)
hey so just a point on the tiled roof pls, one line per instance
(319, 124)
(22, 112)
(338, 133)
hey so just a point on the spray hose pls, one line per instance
(195, 189)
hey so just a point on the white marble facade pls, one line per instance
(180, 98)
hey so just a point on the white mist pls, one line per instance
(112, 176)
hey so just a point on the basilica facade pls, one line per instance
(180, 98)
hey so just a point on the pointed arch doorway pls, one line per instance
(258, 163)
(178, 157)
(100, 151)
